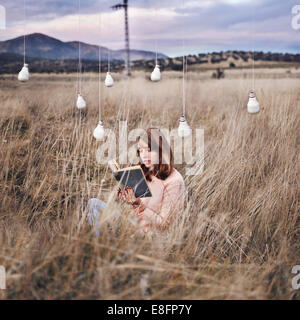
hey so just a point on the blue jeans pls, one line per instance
(94, 207)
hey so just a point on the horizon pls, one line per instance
(226, 25)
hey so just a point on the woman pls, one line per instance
(165, 182)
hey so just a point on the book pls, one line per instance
(132, 177)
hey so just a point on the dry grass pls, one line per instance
(238, 237)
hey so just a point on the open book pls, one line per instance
(132, 177)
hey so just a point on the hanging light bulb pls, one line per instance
(155, 75)
(184, 130)
(253, 104)
(23, 75)
(81, 104)
(109, 81)
(99, 131)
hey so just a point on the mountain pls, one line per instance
(44, 47)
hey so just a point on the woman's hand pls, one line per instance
(128, 196)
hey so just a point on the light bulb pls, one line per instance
(155, 75)
(109, 81)
(81, 104)
(253, 105)
(99, 131)
(23, 75)
(184, 129)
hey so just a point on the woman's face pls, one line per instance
(148, 157)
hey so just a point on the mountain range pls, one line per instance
(44, 47)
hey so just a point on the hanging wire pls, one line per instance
(100, 69)
(108, 60)
(183, 69)
(253, 58)
(24, 52)
(156, 51)
(156, 40)
(79, 73)
(183, 85)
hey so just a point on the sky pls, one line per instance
(173, 26)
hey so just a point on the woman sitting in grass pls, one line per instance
(165, 183)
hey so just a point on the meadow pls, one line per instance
(239, 235)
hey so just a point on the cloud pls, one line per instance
(205, 25)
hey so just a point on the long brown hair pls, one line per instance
(160, 170)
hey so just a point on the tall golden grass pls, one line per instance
(238, 237)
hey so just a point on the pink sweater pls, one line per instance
(167, 200)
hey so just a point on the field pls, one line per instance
(239, 236)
